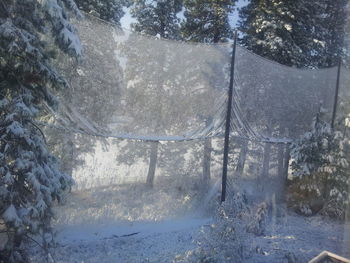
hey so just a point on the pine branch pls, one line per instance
(46, 250)
(42, 134)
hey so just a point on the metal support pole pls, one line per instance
(336, 95)
(228, 119)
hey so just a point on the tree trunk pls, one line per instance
(68, 166)
(206, 161)
(267, 155)
(241, 158)
(266, 161)
(152, 163)
(283, 177)
(280, 160)
(281, 153)
(286, 163)
(280, 191)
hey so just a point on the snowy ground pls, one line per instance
(127, 223)
(133, 223)
(130, 202)
(292, 236)
(140, 242)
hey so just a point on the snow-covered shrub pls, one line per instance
(222, 241)
(321, 174)
(30, 178)
(258, 223)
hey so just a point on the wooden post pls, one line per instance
(228, 119)
(336, 95)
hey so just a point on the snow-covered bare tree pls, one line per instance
(30, 178)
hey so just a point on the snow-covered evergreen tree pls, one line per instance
(321, 170)
(294, 33)
(207, 21)
(110, 10)
(94, 93)
(30, 178)
(157, 17)
(331, 18)
(346, 57)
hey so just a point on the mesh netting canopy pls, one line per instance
(133, 86)
(141, 87)
(168, 101)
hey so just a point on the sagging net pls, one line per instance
(141, 87)
(144, 111)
